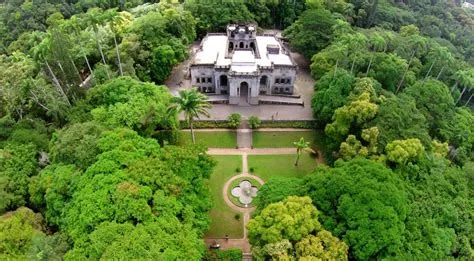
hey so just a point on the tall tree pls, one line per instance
(95, 18)
(192, 103)
(416, 43)
(466, 80)
(376, 43)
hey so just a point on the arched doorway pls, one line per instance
(231, 47)
(241, 45)
(263, 84)
(223, 81)
(252, 46)
(244, 92)
(263, 80)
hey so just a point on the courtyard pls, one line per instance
(246, 168)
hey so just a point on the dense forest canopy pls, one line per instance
(89, 162)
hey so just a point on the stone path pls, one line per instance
(244, 138)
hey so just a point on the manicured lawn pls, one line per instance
(267, 166)
(223, 220)
(281, 139)
(210, 139)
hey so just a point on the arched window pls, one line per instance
(241, 45)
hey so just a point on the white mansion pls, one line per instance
(242, 65)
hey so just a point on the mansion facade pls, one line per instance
(243, 65)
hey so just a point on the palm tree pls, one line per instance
(39, 53)
(301, 146)
(416, 42)
(376, 42)
(95, 18)
(115, 21)
(465, 79)
(468, 100)
(192, 103)
(439, 54)
(356, 43)
(338, 53)
(72, 25)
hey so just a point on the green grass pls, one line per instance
(235, 183)
(281, 139)
(223, 220)
(267, 166)
(210, 139)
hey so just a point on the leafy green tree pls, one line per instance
(387, 69)
(292, 219)
(51, 191)
(17, 231)
(192, 103)
(214, 15)
(165, 239)
(398, 118)
(311, 32)
(460, 135)
(322, 246)
(76, 144)
(162, 63)
(404, 151)
(437, 224)
(131, 103)
(18, 162)
(134, 180)
(50, 247)
(293, 222)
(352, 148)
(434, 101)
(330, 94)
(277, 189)
(363, 203)
(351, 116)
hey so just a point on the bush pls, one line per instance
(237, 216)
(301, 124)
(234, 120)
(205, 124)
(251, 169)
(254, 122)
(232, 254)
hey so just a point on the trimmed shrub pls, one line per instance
(254, 122)
(299, 124)
(234, 120)
(232, 254)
